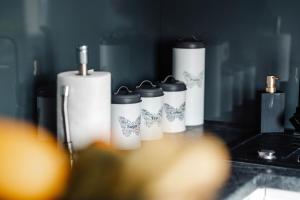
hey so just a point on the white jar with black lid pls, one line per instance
(174, 105)
(126, 119)
(189, 67)
(152, 108)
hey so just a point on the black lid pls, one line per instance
(189, 45)
(149, 90)
(170, 84)
(125, 96)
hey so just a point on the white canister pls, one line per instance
(152, 109)
(126, 119)
(189, 67)
(174, 105)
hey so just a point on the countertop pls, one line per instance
(246, 177)
(231, 134)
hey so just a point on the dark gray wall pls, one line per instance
(38, 40)
(242, 48)
(133, 40)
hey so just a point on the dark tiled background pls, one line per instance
(133, 39)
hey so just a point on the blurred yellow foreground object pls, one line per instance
(95, 174)
(177, 169)
(30, 168)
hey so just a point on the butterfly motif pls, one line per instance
(129, 127)
(173, 113)
(150, 118)
(192, 80)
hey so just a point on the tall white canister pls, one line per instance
(189, 67)
(174, 105)
(152, 109)
(126, 119)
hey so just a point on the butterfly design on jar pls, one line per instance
(130, 127)
(193, 80)
(151, 118)
(172, 113)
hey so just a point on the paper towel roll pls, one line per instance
(88, 107)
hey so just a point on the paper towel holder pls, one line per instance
(64, 109)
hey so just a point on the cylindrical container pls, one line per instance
(274, 57)
(227, 91)
(238, 87)
(88, 110)
(126, 119)
(173, 120)
(46, 113)
(152, 109)
(109, 51)
(215, 56)
(282, 56)
(213, 83)
(291, 89)
(279, 46)
(250, 82)
(189, 67)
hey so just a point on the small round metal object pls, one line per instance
(271, 84)
(267, 154)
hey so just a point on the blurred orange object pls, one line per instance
(30, 168)
(95, 174)
(176, 168)
(198, 172)
(102, 145)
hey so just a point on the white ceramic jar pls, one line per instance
(174, 105)
(189, 67)
(152, 109)
(126, 119)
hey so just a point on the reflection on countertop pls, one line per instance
(231, 134)
(246, 178)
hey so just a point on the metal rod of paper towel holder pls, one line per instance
(83, 60)
(67, 136)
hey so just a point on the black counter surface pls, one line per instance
(248, 172)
